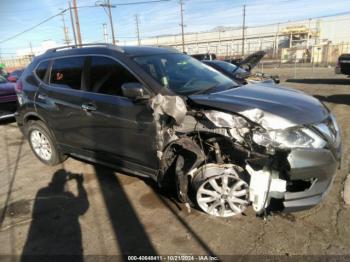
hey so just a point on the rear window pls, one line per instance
(66, 72)
(41, 69)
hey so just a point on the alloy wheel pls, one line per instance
(223, 195)
(41, 145)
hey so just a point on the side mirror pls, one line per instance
(12, 79)
(134, 90)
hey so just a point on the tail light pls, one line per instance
(337, 65)
(19, 86)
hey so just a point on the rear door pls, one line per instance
(122, 130)
(60, 100)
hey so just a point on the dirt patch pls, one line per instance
(150, 200)
(16, 209)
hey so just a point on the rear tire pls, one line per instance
(43, 144)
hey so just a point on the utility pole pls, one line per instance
(308, 35)
(111, 21)
(182, 25)
(137, 21)
(77, 21)
(65, 31)
(105, 34)
(276, 41)
(31, 49)
(107, 4)
(72, 22)
(243, 31)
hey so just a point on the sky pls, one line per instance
(155, 18)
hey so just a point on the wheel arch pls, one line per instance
(33, 116)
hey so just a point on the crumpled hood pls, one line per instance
(7, 89)
(271, 106)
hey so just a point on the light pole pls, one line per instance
(77, 21)
(243, 31)
(137, 22)
(72, 21)
(105, 35)
(182, 25)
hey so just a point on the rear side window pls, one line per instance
(41, 69)
(66, 72)
(107, 76)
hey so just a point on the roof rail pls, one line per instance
(55, 49)
(167, 47)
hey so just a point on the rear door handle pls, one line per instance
(88, 107)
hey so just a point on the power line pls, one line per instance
(64, 10)
(150, 36)
(141, 2)
(123, 4)
(33, 27)
(301, 19)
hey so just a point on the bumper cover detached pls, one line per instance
(315, 165)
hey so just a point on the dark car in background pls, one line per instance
(8, 98)
(159, 113)
(343, 65)
(241, 72)
(204, 56)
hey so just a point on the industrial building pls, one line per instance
(319, 40)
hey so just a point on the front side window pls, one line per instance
(41, 69)
(183, 74)
(66, 72)
(107, 76)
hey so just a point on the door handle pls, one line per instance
(42, 97)
(88, 107)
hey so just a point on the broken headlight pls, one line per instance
(221, 119)
(289, 138)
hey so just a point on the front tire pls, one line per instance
(220, 190)
(43, 144)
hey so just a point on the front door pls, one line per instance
(122, 130)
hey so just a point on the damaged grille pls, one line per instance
(300, 185)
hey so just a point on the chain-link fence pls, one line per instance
(313, 41)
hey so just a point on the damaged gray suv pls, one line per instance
(159, 113)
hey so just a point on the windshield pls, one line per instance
(183, 74)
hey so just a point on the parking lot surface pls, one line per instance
(51, 210)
